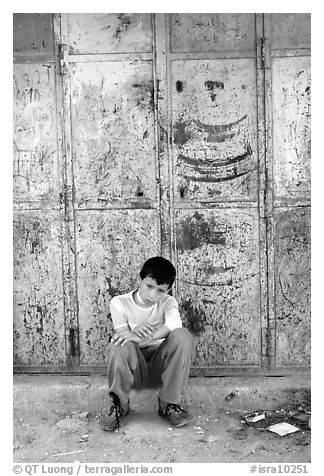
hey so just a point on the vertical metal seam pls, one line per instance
(73, 209)
(170, 142)
(262, 192)
(261, 162)
(269, 193)
(157, 181)
(70, 192)
(265, 193)
(163, 133)
(60, 146)
(67, 317)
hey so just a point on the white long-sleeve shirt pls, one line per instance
(126, 313)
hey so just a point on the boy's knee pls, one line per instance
(181, 337)
(118, 350)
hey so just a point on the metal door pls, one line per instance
(109, 77)
(38, 280)
(180, 134)
(287, 69)
(220, 254)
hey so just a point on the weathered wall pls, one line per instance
(185, 135)
(291, 123)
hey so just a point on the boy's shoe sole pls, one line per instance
(108, 423)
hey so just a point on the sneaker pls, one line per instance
(109, 419)
(175, 414)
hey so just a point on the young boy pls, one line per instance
(150, 348)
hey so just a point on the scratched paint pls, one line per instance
(201, 32)
(38, 297)
(215, 129)
(218, 284)
(113, 131)
(293, 293)
(110, 33)
(33, 34)
(290, 30)
(111, 248)
(291, 90)
(35, 154)
(116, 129)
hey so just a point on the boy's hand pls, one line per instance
(145, 330)
(122, 339)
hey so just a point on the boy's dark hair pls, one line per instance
(160, 269)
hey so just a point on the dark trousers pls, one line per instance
(166, 365)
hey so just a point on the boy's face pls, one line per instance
(151, 292)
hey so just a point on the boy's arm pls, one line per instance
(172, 321)
(161, 332)
(171, 314)
(123, 335)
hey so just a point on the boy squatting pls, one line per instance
(150, 348)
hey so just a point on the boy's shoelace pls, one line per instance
(173, 407)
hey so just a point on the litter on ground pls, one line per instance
(254, 417)
(231, 395)
(283, 428)
(69, 453)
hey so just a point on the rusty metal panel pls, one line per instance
(140, 162)
(199, 32)
(33, 34)
(111, 248)
(113, 132)
(293, 281)
(95, 33)
(290, 30)
(214, 119)
(218, 284)
(35, 137)
(291, 127)
(38, 289)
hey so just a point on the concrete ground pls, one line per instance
(55, 421)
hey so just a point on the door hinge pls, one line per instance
(72, 347)
(64, 59)
(268, 341)
(263, 53)
(66, 199)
